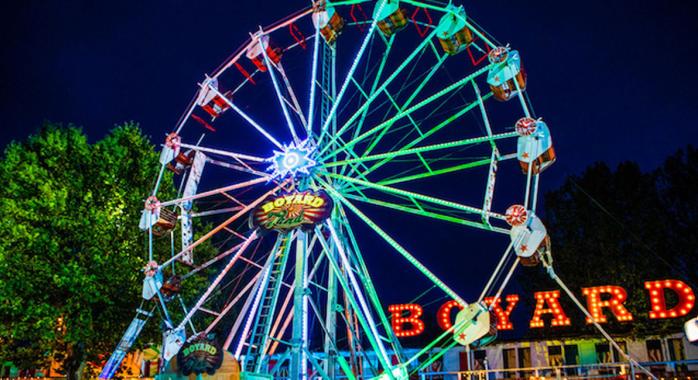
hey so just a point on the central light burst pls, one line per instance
(292, 160)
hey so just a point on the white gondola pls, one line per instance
(475, 325)
(262, 45)
(160, 219)
(534, 146)
(171, 148)
(152, 283)
(506, 75)
(210, 100)
(173, 340)
(528, 235)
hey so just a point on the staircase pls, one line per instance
(134, 329)
(265, 314)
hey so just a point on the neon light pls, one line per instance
(398, 320)
(291, 161)
(443, 316)
(615, 302)
(658, 304)
(552, 299)
(503, 322)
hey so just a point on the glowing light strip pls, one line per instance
(313, 80)
(246, 117)
(225, 223)
(214, 192)
(427, 148)
(218, 279)
(223, 153)
(383, 86)
(410, 194)
(408, 111)
(402, 251)
(428, 214)
(355, 284)
(347, 291)
(257, 297)
(233, 302)
(277, 89)
(354, 64)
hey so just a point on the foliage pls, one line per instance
(623, 227)
(71, 247)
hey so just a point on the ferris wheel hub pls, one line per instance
(293, 160)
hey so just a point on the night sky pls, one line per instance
(614, 79)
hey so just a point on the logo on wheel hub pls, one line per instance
(290, 211)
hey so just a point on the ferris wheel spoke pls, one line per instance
(247, 118)
(335, 104)
(233, 302)
(434, 172)
(419, 210)
(295, 106)
(405, 130)
(277, 89)
(432, 131)
(218, 279)
(212, 261)
(345, 276)
(243, 167)
(383, 89)
(217, 191)
(416, 196)
(435, 111)
(225, 210)
(376, 79)
(402, 251)
(226, 153)
(366, 279)
(246, 318)
(423, 149)
(313, 81)
(347, 124)
(414, 93)
(228, 221)
(380, 127)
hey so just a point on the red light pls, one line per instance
(658, 301)
(398, 321)
(551, 299)
(615, 303)
(444, 314)
(503, 322)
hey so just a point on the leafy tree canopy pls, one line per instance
(71, 246)
(623, 227)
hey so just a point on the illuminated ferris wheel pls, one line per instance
(358, 107)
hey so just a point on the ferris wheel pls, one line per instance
(332, 115)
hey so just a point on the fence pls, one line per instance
(671, 370)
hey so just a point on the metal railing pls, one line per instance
(674, 370)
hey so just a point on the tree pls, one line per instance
(677, 181)
(623, 227)
(71, 246)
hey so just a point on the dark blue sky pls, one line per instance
(614, 79)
